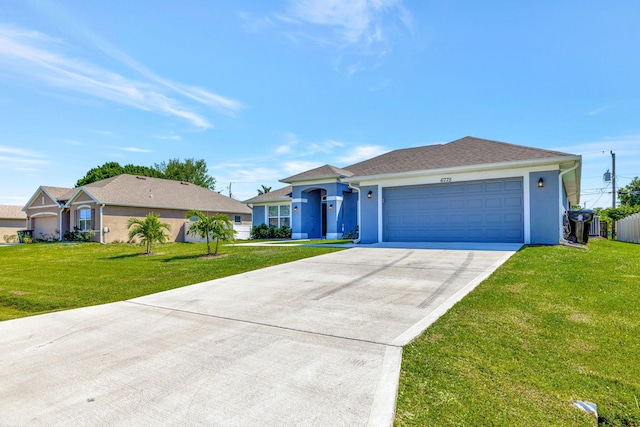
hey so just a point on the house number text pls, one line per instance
(445, 180)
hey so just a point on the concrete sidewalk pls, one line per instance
(313, 342)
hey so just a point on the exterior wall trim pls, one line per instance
(526, 194)
(43, 214)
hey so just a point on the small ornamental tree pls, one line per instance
(149, 230)
(218, 227)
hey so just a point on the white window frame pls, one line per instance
(82, 222)
(283, 216)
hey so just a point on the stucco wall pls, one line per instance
(10, 227)
(350, 212)
(544, 208)
(116, 218)
(259, 214)
(369, 216)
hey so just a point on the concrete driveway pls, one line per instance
(313, 342)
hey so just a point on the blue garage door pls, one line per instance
(473, 211)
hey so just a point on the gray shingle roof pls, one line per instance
(130, 190)
(272, 196)
(466, 151)
(59, 193)
(12, 212)
(326, 171)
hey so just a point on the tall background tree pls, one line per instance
(629, 197)
(148, 230)
(110, 169)
(630, 194)
(191, 170)
(264, 189)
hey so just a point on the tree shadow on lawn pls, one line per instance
(136, 255)
(195, 256)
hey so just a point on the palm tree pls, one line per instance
(264, 189)
(216, 227)
(148, 230)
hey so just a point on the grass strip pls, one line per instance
(551, 326)
(40, 278)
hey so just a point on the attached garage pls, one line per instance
(46, 227)
(473, 211)
(468, 190)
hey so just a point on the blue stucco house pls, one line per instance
(468, 190)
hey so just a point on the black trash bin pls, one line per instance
(24, 233)
(580, 223)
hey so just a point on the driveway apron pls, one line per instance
(314, 342)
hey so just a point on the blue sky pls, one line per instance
(263, 90)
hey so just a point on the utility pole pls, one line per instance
(613, 179)
(613, 193)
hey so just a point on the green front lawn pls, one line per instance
(40, 278)
(552, 325)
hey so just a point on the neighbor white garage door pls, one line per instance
(45, 227)
(473, 211)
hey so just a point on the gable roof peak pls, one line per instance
(325, 171)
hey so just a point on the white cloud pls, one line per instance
(11, 161)
(250, 175)
(296, 148)
(360, 153)
(19, 158)
(296, 166)
(135, 150)
(599, 110)
(16, 151)
(327, 146)
(343, 23)
(33, 55)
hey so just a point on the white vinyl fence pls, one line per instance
(594, 228)
(243, 232)
(629, 229)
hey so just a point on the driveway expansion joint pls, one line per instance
(268, 325)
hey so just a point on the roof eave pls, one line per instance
(312, 179)
(468, 168)
(279, 199)
(175, 208)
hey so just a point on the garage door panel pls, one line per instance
(513, 202)
(514, 234)
(515, 185)
(493, 186)
(474, 188)
(513, 218)
(453, 189)
(493, 203)
(474, 204)
(457, 204)
(482, 211)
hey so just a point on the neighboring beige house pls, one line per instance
(12, 219)
(104, 207)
